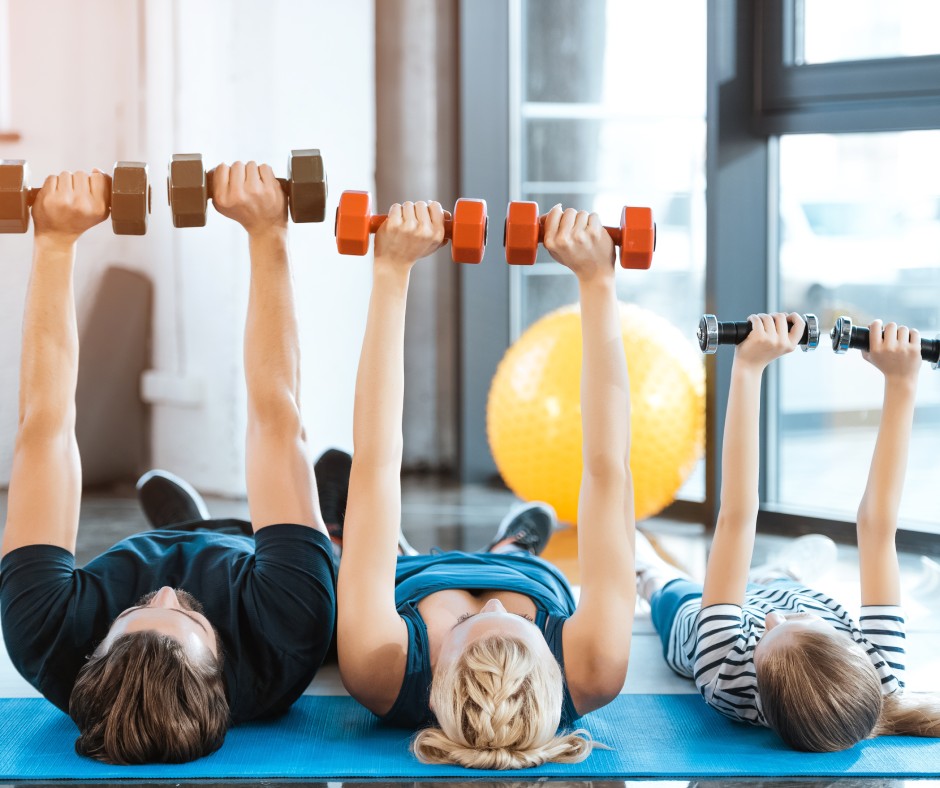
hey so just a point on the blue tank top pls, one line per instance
(419, 576)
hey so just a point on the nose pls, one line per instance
(773, 619)
(494, 606)
(165, 597)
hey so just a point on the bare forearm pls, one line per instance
(373, 517)
(49, 362)
(740, 450)
(605, 505)
(878, 511)
(605, 390)
(272, 345)
(882, 498)
(733, 544)
(380, 382)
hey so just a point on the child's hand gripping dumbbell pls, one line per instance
(130, 197)
(466, 228)
(635, 237)
(845, 336)
(712, 333)
(189, 188)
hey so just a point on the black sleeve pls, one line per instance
(292, 590)
(36, 594)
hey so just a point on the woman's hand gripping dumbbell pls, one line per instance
(845, 337)
(128, 197)
(524, 231)
(712, 333)
(466, 228)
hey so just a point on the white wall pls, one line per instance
(230, 79)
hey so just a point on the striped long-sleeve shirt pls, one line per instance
(725, 636)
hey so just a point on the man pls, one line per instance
(159, 644)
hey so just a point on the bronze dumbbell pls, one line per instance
(130, 197)
(189, 188)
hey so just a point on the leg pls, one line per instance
(805, 559)
(526, 527)
(675, 608)
(652, 572)
(332, 474)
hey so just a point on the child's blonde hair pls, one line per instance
(821, 693)
(499, 706)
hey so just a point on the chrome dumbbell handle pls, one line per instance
(712, 333)
(846, 337)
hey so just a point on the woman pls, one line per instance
(487, 650)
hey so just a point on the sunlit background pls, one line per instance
(607, 106)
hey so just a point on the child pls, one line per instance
(487, 649)
(778, 653)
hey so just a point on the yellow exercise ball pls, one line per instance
(533, 414)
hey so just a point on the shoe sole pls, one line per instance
(514, 512)
(184, 485)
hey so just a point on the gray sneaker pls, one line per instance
(528, 525)
(168, 500)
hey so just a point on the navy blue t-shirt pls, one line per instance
(272, 599)
(419, 576)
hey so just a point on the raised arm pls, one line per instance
(897, 356)
(372, 639)
(46, 480)
(733, 545)
(597, 637)
(280, 480)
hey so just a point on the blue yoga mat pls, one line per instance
(333, 738)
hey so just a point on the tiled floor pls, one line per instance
(464, 517)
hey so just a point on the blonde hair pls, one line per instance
(498, 706)
(822, 694)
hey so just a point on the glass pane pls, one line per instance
(564, 50)
(838, 30)
(614, 115)
(860, 236)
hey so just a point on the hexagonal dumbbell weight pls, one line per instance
(845, 336)
(524, 231)
(130, 197)
(466, 228)
(189, 188)
(711, 333)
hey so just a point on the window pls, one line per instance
(830, 31)
(860, 235)
(610, 112)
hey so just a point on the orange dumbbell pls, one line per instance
(635, 237)
(465, 229)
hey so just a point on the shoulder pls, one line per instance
(36, 566)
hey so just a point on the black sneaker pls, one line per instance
(528, 525)
(332, 472)
(168, 500)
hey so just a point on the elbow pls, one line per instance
(608, 468)
(275, 410)
(42, 423)
(373, 453)
(872, 519)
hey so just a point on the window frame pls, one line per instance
(881, 94)
(755, 94)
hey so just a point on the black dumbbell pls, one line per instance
(711, 333)
(846, 337)
(130, 197)
(189, 188)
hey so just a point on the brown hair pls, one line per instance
(144, 700)
(822, 694)
(499, 706)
